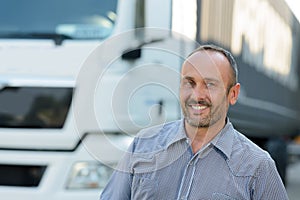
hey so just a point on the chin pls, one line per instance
(197, 123)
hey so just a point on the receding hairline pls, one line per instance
(224, 52)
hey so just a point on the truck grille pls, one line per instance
(21, 175)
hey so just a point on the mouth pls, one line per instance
(198, 107)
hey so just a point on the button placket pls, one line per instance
(187, 179)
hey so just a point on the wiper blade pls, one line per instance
(57, 38)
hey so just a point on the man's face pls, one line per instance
(204, 96)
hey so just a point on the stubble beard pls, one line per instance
(203, 121)
(199, 121)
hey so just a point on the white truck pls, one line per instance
(75, 86)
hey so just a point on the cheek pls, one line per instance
(219, 98)
(184, 94)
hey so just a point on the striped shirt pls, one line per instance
(160, 165)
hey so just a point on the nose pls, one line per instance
(200, 92)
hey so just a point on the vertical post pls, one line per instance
(139, 19)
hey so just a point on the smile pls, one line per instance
(198, 107)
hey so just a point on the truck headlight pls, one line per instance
(89, 175)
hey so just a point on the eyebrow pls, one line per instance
(205, 79)
(187, 78)
(212, 80)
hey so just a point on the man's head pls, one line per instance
(208, 86)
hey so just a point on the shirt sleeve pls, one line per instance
(119, 185)
(268, 184)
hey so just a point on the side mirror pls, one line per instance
(132, 54)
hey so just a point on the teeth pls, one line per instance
(199, 107)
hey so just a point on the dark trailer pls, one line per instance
(264, 37)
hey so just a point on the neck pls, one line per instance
(202, 136)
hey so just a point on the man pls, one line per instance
(201, 156)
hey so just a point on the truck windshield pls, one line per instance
(34, 107)
(75, 19)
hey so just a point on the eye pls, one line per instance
(210, 84)
(188, 83)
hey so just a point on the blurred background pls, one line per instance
(78, 79)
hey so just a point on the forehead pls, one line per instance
(207, 64)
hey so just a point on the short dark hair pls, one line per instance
(227, 54)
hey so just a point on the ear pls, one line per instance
(234, 93)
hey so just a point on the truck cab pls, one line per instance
(69, 105)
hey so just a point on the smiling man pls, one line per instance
(208, 86)
(200, 156)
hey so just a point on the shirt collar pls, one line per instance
(180, 135)
(223, 140)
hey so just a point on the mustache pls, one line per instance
(202, 102)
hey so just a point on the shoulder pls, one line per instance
(157, 137)
(247, 159)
